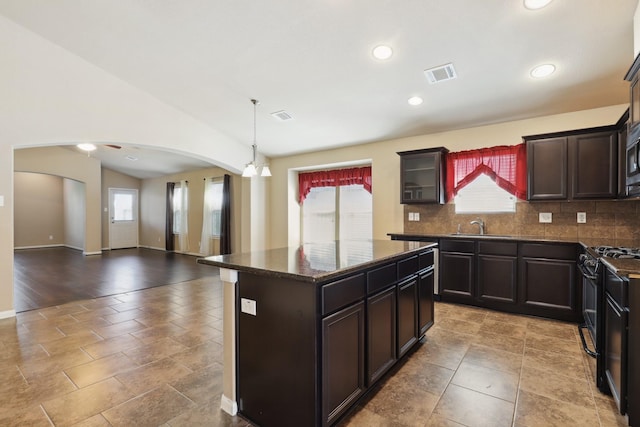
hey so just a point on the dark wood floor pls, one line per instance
(53, 276)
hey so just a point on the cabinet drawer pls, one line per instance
(498, 248)
(425, 260)
(342, 293)
(457, 245)
(407, 267)
(381, 277)
(551, 251)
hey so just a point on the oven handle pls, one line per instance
(584, 342)
(586, 273)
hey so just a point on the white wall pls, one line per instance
(50, 97)
(387, 210)
(74, 213)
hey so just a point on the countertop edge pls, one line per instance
(316, 278)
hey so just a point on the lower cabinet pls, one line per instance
(381, 333)
(526, 277)
(497, 272)
(425, 300)
(385, 311)
(457, 276)
(343, 356)
(549, 281)
(407, 314)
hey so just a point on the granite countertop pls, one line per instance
(623, 267)
(485, 237)
(317, 262)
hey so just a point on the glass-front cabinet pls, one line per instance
(422, 176)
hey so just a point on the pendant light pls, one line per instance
(251, 169)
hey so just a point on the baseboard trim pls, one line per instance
(229, 406)
(92, 253)
(7, 314)
(152, 247)
(58, 245)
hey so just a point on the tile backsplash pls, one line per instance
(611, 222)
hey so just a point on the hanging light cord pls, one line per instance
(254, 146)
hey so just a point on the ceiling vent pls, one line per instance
(282, 115)
(441, 73)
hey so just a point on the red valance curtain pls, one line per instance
(506, 165)
(333, 178)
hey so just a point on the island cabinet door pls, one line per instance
(381, 333)
(343, 377)
(407, 314)
(425, 300)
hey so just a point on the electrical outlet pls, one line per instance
(545, 217)
(50, 237)
(582, 217)
(248, 306)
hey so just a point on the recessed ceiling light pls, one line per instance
(536, 4)
(382, 52)
(543, 70)
(86, 147)
(415, 100)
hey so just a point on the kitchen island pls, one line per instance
(309, 330)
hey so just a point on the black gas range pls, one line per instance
(616, 252)
(605, 311)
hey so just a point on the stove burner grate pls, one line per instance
(618, 252)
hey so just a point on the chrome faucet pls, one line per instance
(480, 223)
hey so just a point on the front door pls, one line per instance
(123, 218)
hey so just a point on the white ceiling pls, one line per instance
(312, 58)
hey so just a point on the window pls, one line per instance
(482, 195)
(177, 209)
(488, 179)
(337, 213)
(213, 199)
(122, 207)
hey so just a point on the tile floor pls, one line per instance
(153, 357)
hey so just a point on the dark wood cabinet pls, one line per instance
(633, 355)
(594, 165)
(580, 164)
(407, 314)
(497, 272)
(547, 169)
(457, 270)
(422, 176)
(343, 361)
(549, 281)
(425, 300)
(381, 327)
(517, 276)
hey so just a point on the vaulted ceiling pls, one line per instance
(312, 59)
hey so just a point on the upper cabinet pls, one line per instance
(575, 165)
(422, 176)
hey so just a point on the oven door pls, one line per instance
(615, 352)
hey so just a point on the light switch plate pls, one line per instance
(582, 217)
(416, 216)
(248, 306)
(1, 200)
(545, 217)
